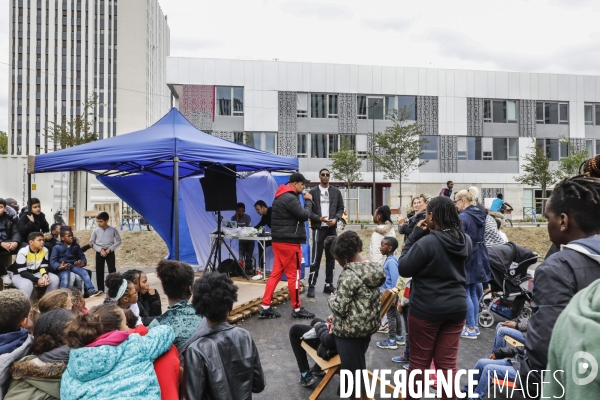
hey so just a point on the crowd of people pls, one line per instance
(128, 347)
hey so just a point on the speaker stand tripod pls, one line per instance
(214, 258)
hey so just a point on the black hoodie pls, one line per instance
(436, 262)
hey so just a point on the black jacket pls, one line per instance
(39, 224)
(407, 227)
(221, 363)
(436, 262)
(265, 219)
(336, 206)
(288, 217)
(556, 281)
(149, 306)
(326, 348)
(9, 231)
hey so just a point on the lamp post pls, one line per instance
(373, 192)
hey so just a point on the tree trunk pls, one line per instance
(400, 195)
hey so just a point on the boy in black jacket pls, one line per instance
(32, 219)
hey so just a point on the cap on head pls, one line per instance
(297, 177)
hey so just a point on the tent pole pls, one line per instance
(176, 205)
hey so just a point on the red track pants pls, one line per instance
(288, 259)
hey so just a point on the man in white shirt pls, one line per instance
(327, 210)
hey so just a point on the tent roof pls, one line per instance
(154, 148)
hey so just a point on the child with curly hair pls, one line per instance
(148, 299)
(122, 292)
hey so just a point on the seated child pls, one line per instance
(148, 299)
(216, 343)
(67, 257)
(323, 342)
(177, 279)
(38, 376)
(14, 338)
(31, 267)
(123, 293)
(390, 267)
(61, 298)
(107, 362)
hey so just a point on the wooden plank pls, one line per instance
(324, 364)
(512, 341)
(246, 313)
(389, 388)
(324, 382)
(254, 309)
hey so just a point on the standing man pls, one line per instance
(327, 209)
(288, 232)
(447, 191)
(265, 213)
(246, 247)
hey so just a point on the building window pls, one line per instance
(322, 145)
(225, 96)
(375, 106)
(551, 148)
(301, 149)
(552, 113)
(500, 111)
(473, 148)
(361, 107)
(430, 149)
(318, 105)
(589, 145)
(505, 149)
(238, 137)
(588, 112)
(262, 141)
(302, 105)
(390, 106)
(333, 106)
(410, 102)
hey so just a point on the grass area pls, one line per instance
(535, 239)
(138, 250)
(145, 249)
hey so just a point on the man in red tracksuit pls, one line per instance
(288, 234)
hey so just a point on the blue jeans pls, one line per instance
(65, 276)
(503, 330)
(473, 303)
(485, 373)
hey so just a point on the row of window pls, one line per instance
(555, 150)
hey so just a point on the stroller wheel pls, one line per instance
(486, 319)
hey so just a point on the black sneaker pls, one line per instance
(329, 289)
(307, 380)
(316, 370)
(311, 292)
(302, 313)
(95, 293)
(265, 313)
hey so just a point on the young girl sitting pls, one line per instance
(148, 299)
(55, 300)
(123, 293)
(38, 376)
(106, 362)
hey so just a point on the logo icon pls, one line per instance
(584, 363)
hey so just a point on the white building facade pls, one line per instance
(479, 124)
(62, 51)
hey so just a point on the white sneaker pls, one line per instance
(6, 280)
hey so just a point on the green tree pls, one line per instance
(569, 165)
(537, 171)
(3, 143)
(80, 129)
(398, 150)
(345, 165)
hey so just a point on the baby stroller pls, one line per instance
(507, 298)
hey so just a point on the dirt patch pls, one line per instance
(138, 250)
(535, 239)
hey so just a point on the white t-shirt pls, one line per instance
(324, 203)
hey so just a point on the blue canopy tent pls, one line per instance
(144, 169)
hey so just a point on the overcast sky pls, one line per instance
(559, 36)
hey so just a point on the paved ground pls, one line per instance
(272, 341)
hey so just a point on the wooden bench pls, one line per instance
(334, 364)
(513, 342)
